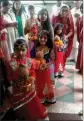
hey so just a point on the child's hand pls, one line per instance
(10, 89)
(52, 55)
(57, 37)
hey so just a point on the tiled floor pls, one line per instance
(68, 92)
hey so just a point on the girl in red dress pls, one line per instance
(59, 49)
(79, 23)
(23, 96)
(64, 17)
(43, 77)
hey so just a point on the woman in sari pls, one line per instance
(79, 23)
(20, 16)
(64, 17)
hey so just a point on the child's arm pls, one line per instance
(52, 55)
(56, 37)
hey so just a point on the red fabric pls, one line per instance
(79, 63)
(68, 27)
(43, 80)
(2, 26)
(14, 75)
(79, 24)
(3, 37)
(58, 61)
(33, 109)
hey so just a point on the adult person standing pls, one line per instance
(75, 14)
(64, 17)
(20, 15)
(79, 23)
(10, 24)
(55, 9)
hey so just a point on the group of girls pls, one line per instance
(31, 79)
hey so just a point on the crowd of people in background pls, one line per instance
(33, 51)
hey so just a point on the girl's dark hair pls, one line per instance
(58, 26)
(20, 11)
(49, 43)
(46, 24)
(20, 41)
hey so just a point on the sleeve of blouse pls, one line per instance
(32, 70)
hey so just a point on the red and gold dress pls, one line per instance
(44, 85)
(24, 99)
(59, 66)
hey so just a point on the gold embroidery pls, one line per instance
(28, 63)
(14, 65)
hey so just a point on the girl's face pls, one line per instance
(43, 16)
(64, 12)
(21, 51)
(43, 39)
(17, 5)
(59, 31)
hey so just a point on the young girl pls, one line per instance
(43, 79)
(23, 97)
(43, 17)
(59, 49)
